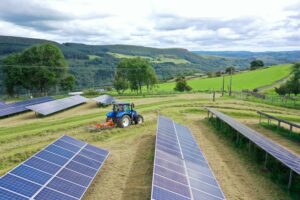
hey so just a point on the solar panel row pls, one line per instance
(20, 106)
(280, 153)
(57, 105)
(104, 99)
(2, 104)
(62, 171)
(180, 169)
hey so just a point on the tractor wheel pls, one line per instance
(124, 122)
(139, 119)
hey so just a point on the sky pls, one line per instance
(252, 25)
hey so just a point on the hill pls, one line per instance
(240, 81)
(269, 57)
(93, 65)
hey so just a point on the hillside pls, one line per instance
(93, 65)
(240, 81)
(269, 57)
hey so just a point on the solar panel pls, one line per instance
(280, 153)
(181, 171)
(2, 104)
(105, 99)
(20, 106)
(57, 105)
(63, 170)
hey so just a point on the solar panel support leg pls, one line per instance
(249, 146)
(290, 179)
(237, 137)
(266, 160)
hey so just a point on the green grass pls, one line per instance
(93, 57)
(240, 81)
(158, 59)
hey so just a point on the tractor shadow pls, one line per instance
(138, 184)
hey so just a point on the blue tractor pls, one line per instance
(123, 115)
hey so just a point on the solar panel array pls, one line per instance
(280, 153)
(62, 171)
(58, 105)
(181, 171)
(2, 104)
(104, 99)
(18, 107)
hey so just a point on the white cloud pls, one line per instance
(194, 24)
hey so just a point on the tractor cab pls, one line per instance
(123, 114)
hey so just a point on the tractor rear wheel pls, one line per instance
(124, 122)
(139, 119)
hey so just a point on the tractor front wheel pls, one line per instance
(124, 122)
(139, 119)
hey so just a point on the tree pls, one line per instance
(255, 64)
(229, 70)
(282, 90)
(36, 69)
(138, 72)
(181, 85)
(67, 84)
(292, 86)
(120, 84)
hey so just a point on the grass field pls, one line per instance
(240, 81)
(158, 59)
(127, 173)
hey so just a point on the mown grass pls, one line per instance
(240, 81)
(20, 141)
(282, 131)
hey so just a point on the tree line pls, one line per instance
(292, 86)
(37, 70)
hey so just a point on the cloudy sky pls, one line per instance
(255, 25)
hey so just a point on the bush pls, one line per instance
(181, 85)
(90, 92)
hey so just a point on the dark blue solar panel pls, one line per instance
(92, 155)
(52, 158)
(51, 107)
(66, 145)
(180, 167)
(96, 150)
(6, 195)
(86, 161)
(169, 165)
(20, 106)
(181, 178)
(60, 151)
(19, 185)
(48, 194)
(159, 193)
(172, 186)
(75, 177)
(31, 174)
(72, 141)
(42, 165)
(46, 174)
(204, 187)
(66, 187)
(200, 195)
(81, 169)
